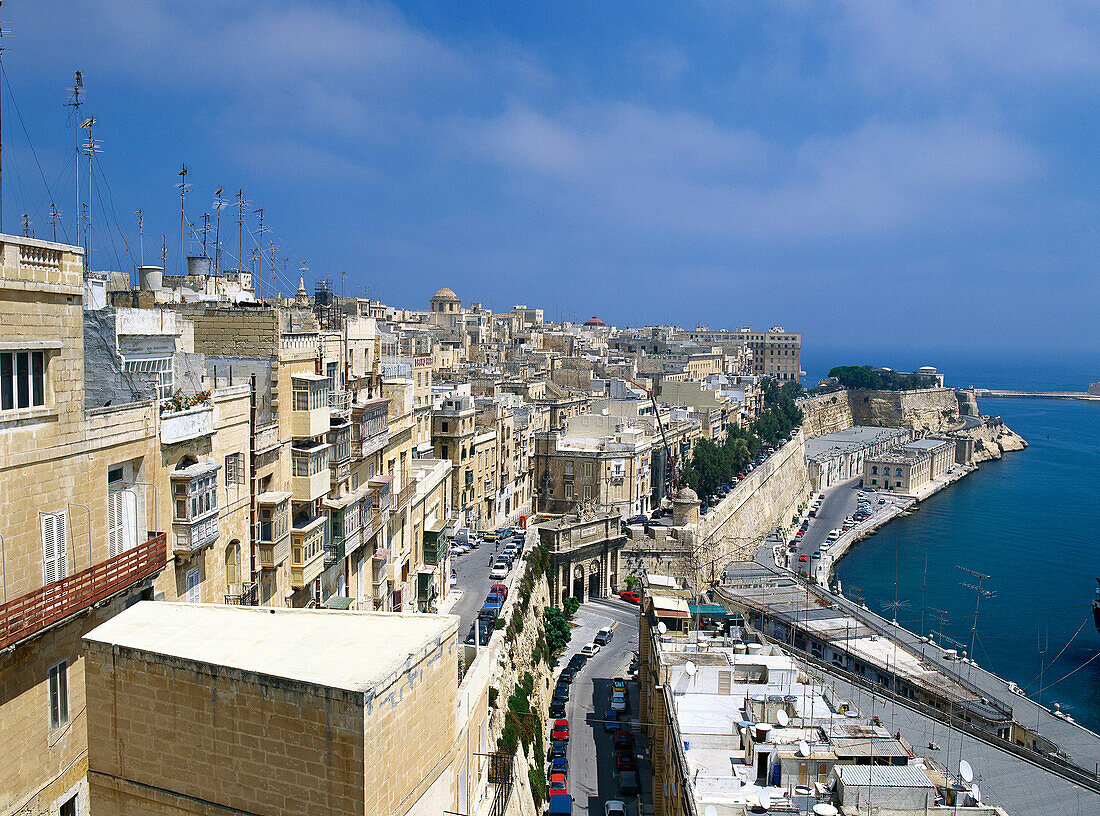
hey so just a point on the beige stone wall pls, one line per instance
(262, 745)
(826, 413)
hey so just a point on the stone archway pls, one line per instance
(595, 573)
(578, 583)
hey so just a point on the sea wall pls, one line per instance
(766, 498)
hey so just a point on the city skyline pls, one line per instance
(760, 165)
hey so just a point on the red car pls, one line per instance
(623, 740)
(500, 589)
(557, 784)
(630, 596)
(803, 557)
(560, 730)
(624, 760)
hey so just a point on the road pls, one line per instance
(474, 581)
(592, 777)
(840, 502)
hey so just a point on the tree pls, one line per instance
(570, 605)
(557, 629)
(633, 581)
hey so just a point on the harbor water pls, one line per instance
(1028, 522)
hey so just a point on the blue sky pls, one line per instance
(879, 174)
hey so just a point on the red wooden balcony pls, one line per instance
(29, 614)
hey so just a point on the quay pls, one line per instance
(918, 688)
(1068, 395)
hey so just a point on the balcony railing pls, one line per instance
(334, 553)
(248, 595)
(399, 500)
(339, 401)
(29, 614)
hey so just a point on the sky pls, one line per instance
(880, 174)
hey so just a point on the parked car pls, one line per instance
(557, 784)
(623, 740)
(817, 554)
(474, 543)
(628, 783)
(618, 701)
(498, 571)
(618, 684)
(557, 748)
(567, 675)
(561, 804)
(630, 596)
(502, 589)
(557, 707)
(882, 501)
(603, 637)
(611, 721)
(559, 765)
(590, 649)
(577, 661)
(614, 807)
(640, 519)
(560, 729)
(625, 761)
(489, 612)
(561, 690)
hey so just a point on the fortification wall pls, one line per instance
(766, 498)
(926, 411)
(826, 413)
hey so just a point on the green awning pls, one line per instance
(710, 610)
(339, 602)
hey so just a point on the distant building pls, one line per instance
(907, 468)
(836, 457)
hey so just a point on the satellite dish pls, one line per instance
(803, 748)
(782, 718)
(710, 810)
(690, 668)
(824, 809)
(966, 772)
(977, 794)
(764, 799)
(661, 628)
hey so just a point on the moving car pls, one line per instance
(590, 649)
(637, 520)
(603, 637)
(803, 557)
(614, 807)
(560, 729)
(817, 554)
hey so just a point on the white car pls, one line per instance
(590, 649)
(498, 571)
(474, 543)
(614, 807)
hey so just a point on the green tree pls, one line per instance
(633, 581)
(557, 629)
(570, 605)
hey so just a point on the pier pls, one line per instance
(1068, 395)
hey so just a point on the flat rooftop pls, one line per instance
(354, 651)
(850, 439)
(926, 444)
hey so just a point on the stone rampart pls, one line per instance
(926, 411)
(766, 498)
(826, 413)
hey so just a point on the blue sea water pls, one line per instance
(1027, 521)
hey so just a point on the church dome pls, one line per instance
(445, 294)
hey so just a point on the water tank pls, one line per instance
(200, 265)
(739, 647)
(150, 278)
(754, 648)
(763, 730)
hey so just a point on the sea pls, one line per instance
(1028, 523)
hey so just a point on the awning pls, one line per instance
(708, 610)
(426, 571)
(339, 602)
(669, 607)
(379, 481)
(435, 526)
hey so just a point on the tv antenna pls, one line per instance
(184, 186)
(241, 204)
(979, 593)
(205, 229)
(219, 204)
(54, 215)
(90, 148)
(27, 231)
(259, 249)
(141, 235)
(78, 83)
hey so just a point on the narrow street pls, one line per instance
(592, 777)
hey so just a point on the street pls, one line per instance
(592, 777)
(474, 581)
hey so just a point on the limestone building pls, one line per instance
(202, 709)
(907, 468)
(584, 555)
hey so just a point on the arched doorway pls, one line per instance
(578, 582)
(594, 582)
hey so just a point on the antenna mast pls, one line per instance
(979, 593)
(218, 204)
(91, 147)
(54, 215)
(183, 217)
(141, 236)
(205, 229)
(260, 250)
(78, 83)
(240, 229)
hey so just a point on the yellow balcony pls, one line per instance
(307, 552)
(309, 415)
(310, 488)
(310, 476)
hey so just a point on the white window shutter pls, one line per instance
(129, 520)
(114, 523)
(54, 549)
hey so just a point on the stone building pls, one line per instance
(776, 353)
(907, 468)
(201, 709)
(838, 456)
(584, 555)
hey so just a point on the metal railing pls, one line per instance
(248, 595)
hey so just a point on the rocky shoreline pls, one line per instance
(993, 439)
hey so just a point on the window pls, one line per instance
(234, 469)
(874, 469)
(58, 682)
(68, 807)
(232, 563)
(193, 594)
(204, 496)
(121, 521)
(22, 379)
(157, 371)
(301, 396)
(54, 547)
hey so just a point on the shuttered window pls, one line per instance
(121, 522)
(724, 680)
(54, 547)
(193, 595)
